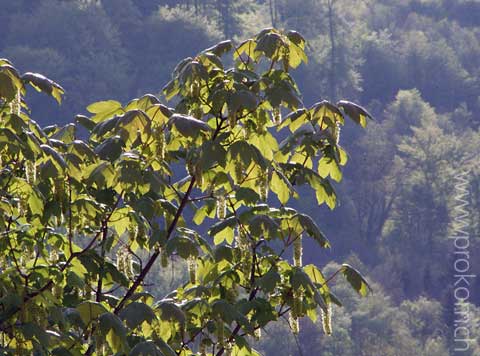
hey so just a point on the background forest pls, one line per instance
(414, 64)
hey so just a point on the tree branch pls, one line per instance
(154, 257)
(170, 231)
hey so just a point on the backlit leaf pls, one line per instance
(356, 280)
(43, 84)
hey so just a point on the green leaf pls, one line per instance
(136, 313)
(299, 175)
(263, 225)
(105, 126)
(241, 99)
(326, 194)
(355, 112)
(114, 331)
(131, 123)
(113, 274)
(226, 234)
(246, 153)
(110, 149)
(230, 222)
(204, 211)
(102, 174)
(315, 274)
(269, 43)
(320, 283)
(278, 96)
(312, 229)
(188, 126)
(247, 47)
(295, 119)
(143, 103)
(299, 278)
(35, 202)
(324, 110)
(85, 122)
(296, 49)
(281, 187)
(82, 149)
(223, 253)
(66, 134)
(11, 75)
(329, 165)
(269, 280)
(8, 89)
(110, 110)
(43, 84)
(247, 195)
(159, 113)
(146, 348)
(220, 48)
(244, 351)
(104, 106)
(211, 153)
(32, 331)
(228, 313)
(171, 89)
(166, 349)
(356, 280)
(183, 245)
(56, 159)
(296, 38)
(169, 311)
(5, 61)
(89, 311)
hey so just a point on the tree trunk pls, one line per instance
(224, 8)
(273, 12)
(332, 76)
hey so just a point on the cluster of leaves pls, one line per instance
(77, 215)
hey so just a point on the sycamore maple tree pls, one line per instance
(84, 220)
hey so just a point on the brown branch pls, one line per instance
(331, 277)
(15, 261)
(98, 294)
(70, 226)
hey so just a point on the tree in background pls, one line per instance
(64, 54)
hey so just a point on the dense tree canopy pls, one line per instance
(84, 221)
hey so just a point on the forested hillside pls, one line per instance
(414, 64)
